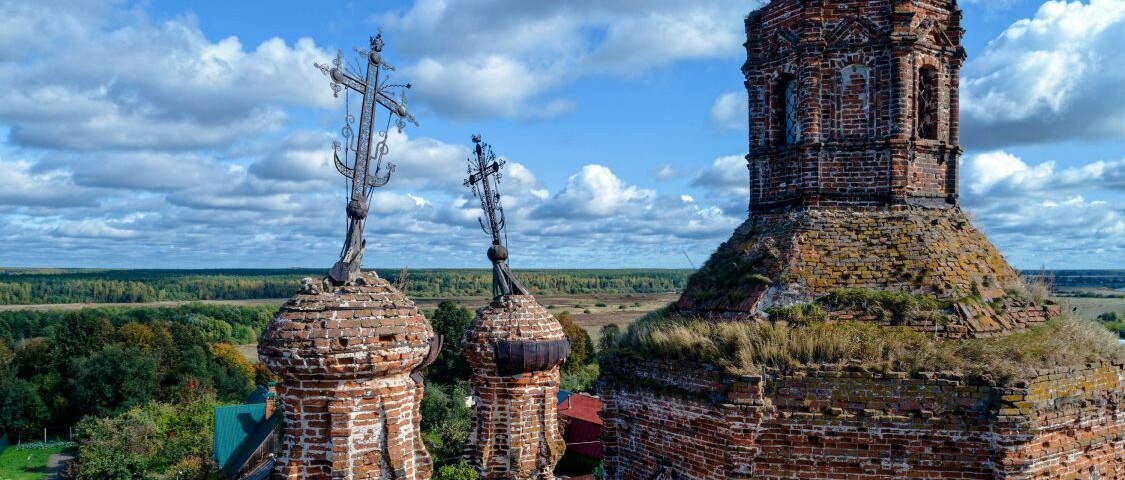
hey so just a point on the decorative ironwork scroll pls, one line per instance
(358, 152)
(484, 170)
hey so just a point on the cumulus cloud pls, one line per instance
(725, 176)
(530, 49)
(21, 186)
(999, 173)
(1040, 213)
(153, 86)
(1045, 78)
(731, 111)
(596, 191)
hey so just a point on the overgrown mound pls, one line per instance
(740, 347)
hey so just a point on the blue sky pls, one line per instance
(185, 134)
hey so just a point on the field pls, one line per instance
(635, 306)
(38, 286)
(25, 464)
(1092, 307)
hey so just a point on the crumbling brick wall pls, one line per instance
(514, 432)
(795, 255)
(347, 357)
(832, 423)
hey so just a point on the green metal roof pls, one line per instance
(258, 395)
(239, 430)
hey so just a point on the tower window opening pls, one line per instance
(927, 104)
(789, 131)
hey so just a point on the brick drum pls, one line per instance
(514, 432)
(690, 421)
(346, 356)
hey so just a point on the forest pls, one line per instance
(137, 385)
(50, 286)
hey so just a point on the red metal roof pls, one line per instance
(583, 425)
(582, 407)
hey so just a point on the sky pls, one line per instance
(191, 134)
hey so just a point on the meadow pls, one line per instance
(61, 286)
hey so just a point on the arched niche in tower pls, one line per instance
(854, 106)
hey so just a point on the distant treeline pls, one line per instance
(1114, 279)
(39, 286)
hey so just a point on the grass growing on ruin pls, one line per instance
(889, 306)
(746, 347)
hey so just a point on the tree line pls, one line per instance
(31, 286)
(139, 384)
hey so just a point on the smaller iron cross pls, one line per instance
(484, 170)
(482, 167)
(359, 172)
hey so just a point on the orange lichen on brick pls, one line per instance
(794, 256)
(692, 421)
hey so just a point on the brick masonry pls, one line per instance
(794, 255)
(684, 421)
(853, 154)
(514, 432)
(862, 70)
(346, 356)
(865, 194)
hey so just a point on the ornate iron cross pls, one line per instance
(484, 169)
(362, 178)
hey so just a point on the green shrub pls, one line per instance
(888, 305)
(460, 471)
(802, 314)
(581, 380)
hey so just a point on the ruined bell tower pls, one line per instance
(859, 111)
(853, 216)
(853, 153)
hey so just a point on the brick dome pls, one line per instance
(356, 331)
(514, 432)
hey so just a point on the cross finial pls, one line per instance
(358, 151)
(484, 170)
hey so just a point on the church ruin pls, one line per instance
(853, 154)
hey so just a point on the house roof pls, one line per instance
(583, 427)
(258, 395)
(583, 407)
(563, 395)
(239, 430)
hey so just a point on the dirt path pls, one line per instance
(56, 465)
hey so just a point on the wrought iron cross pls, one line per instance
(362, 178)
(484, 169)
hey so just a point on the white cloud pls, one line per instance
(999, 173)
(1039, 214)
(726, 176)
(664, 172)
(1046, 78)
(479, 58)
(731, 111)
(596, 191)
(152, 86)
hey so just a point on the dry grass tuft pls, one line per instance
(746, 347)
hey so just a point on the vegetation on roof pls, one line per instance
(740, 347)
